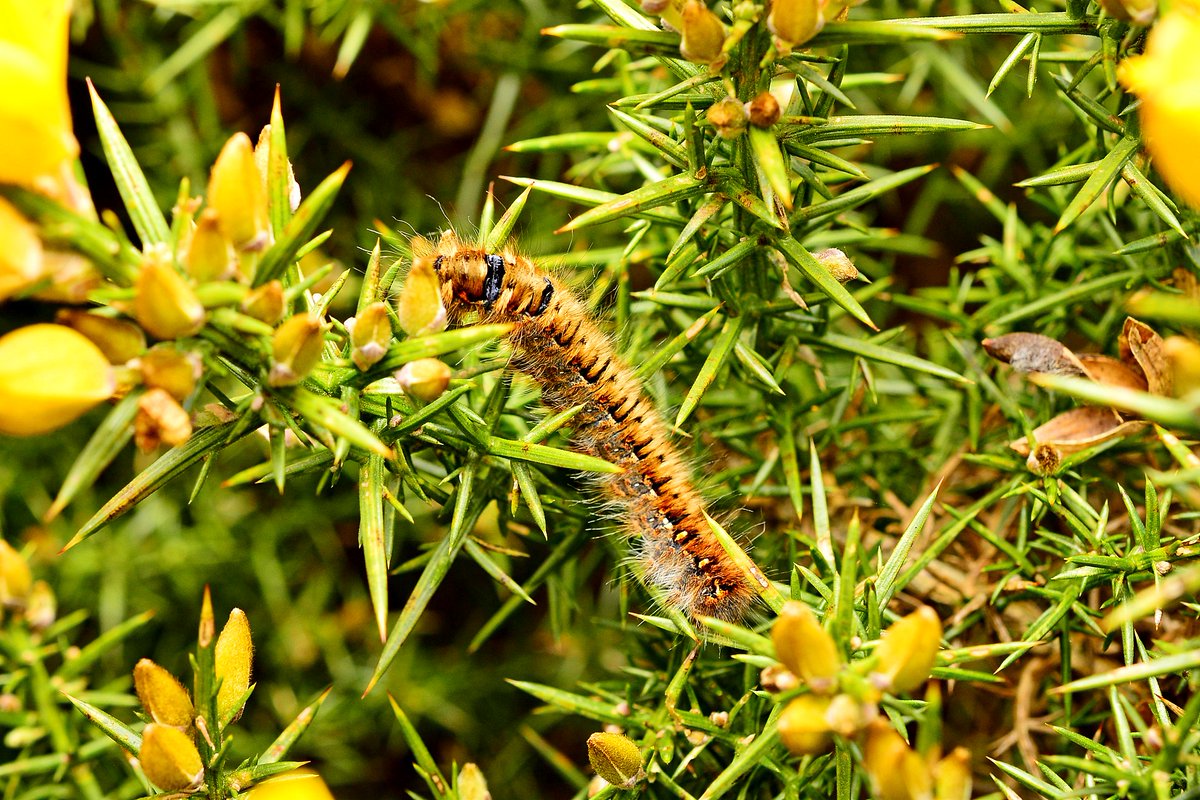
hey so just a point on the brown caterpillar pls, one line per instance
(556, 343)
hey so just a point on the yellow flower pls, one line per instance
(805, 648)
(300, 784)
(1167, 78)
(35, 118)
(49, 376)
(908, 651)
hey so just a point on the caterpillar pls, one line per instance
(555, 341)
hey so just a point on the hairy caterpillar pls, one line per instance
(555, 342)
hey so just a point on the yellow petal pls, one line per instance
(805, 648)
(162, 695)
(236, 194)
(803, 727)
(49, 376)
(169, 759)
(21, 256)
(165, 304)
(301, 784)
(234, 654)
(16, 579)
(908, 651)
(1167, 78)
(35, 119)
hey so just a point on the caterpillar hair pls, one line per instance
(555, 341)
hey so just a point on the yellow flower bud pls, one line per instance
(616, 759)
(908, 651)
(35, 117)
(160, 420)
(896, 770)
(262, 156)
(21, 256)
(266, 303)
(370, 336)
(805, 648)
(703, 35)
(1165, 78)
(163, 697)
(425, 379)
(471, 783)
(299, 784)
(952, 776)
(419, 307)
(41, 606)
(209, 255)
(15, 577)
(297, 348)
(837, 264)
(237, 195)
(49, 376)
(794, 22)
(803, 727)
(234, 653)
(169, 759)
(847, 714)
(173, 370)
(728, 117)
(165, 304)
(118, 339)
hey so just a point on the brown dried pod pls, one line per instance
(1111, 372)
(1032, 352)
(1078, 429)
(1140, 345)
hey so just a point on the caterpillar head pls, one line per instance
(473, 276)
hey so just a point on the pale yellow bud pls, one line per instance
(703, 35)
(297, 347)
(21, 256)
(425, 379)
(616, 759)
(163, 697)
(49, 376)
(160, 420)
(300, 784)
(41, 606)
(118, 339)
(170, 369)
(728, 117)
(262, 156)
(266, 303)
(371, 335)
(210, 257)
(169, 759)
(897, 772)
(16, 579)
(847, 715)
(805, 648)
(794, 22)
(419, 307)
(803, 727)
(234, 654)
(165, 304)
(952, 776)
(908, 651)
(472, 785)
(237, 195)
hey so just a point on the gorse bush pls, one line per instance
(912, 289)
